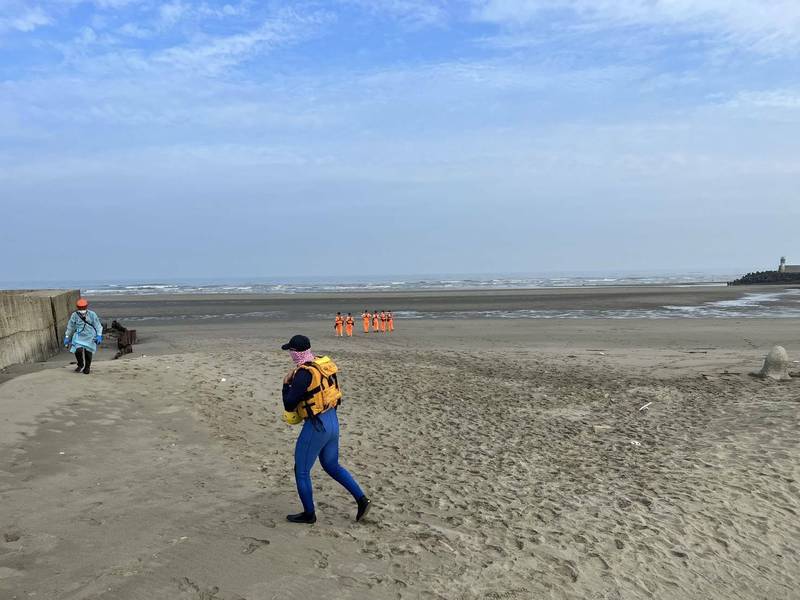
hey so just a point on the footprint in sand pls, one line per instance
(195, 592)
(11, 536)
(253, 544)
(322, 560)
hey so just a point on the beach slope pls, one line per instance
(567, 459)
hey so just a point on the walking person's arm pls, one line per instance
(294, 389)
(70, 330)
(98, 327)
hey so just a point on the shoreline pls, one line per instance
(443, 292)
(164, 315)
(316, 306)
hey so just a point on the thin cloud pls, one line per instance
(215, 54)
(771, 28)
(135, 31)
(25, 21)
(203, 47)
(172, 12)
(410, 12)
(110, 4)
(226, 10)
(780, 99)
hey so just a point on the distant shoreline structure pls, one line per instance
(786, 274)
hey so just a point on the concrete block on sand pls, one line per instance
(776, 365)
(32, 323)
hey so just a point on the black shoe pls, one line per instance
(302, 517)
(79, 368)
(363, 507)
(86, 371)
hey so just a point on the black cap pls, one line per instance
(298, 343)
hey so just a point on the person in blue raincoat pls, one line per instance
(84, 332)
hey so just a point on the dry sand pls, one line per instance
(505, 460)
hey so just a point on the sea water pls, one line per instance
(304, 285)
(781, 303)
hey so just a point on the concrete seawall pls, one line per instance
(32, 323)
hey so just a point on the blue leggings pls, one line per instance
(313, 442)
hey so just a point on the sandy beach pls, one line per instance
(506, 458)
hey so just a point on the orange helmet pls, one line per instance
(82, 303)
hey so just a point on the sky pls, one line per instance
(144, 139)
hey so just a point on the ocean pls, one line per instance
(304, 285)
(781, 303)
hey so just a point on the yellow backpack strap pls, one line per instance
(304, 399)
(331, 380)
(313, 391)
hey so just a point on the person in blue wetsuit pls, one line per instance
(319, 436)
(84, 332)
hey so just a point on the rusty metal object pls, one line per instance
(126, 338)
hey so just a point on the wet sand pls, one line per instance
(305, 306)
(506, 459)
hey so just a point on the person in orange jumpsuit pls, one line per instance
(390, 321)
(383, 322)
(348, 325)
(365, 316)
(375, 321)
(338, 324)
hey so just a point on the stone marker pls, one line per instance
(776, 365)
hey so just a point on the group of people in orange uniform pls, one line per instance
(382, 322)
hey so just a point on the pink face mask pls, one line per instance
(300, 358)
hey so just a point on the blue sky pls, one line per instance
(195, 138)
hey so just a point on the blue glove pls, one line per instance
(66, 341)
(98, 339)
